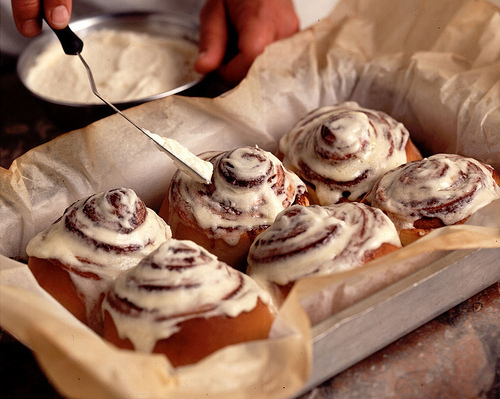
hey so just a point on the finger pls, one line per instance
(254, 36)
(289, 22)
(57, 12)
(213, 36)
(258, 25)
(235, 70)
(26, 15)
(252, 42)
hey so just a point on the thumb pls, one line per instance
(57, 12)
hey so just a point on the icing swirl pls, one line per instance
(319, 240)
(177, 282)
(102, 234)
(341, 150)
(249, 188)
(445, 187)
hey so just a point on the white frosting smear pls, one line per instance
(177, 282)
(444, 186)
(317, 240)
(341, 150)
(185, 160)
(126, 65)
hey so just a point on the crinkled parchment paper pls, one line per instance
(433, 65)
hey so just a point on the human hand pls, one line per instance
(257, 23)
(28, 17)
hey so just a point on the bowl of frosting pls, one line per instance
(134, 58)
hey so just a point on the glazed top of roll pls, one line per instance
(249, 188)
(177, 282)
(444, 186)
(318, 240)
(102, 234)
(343, 149)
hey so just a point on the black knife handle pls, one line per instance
(70, 42)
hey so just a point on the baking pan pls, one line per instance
(373, 323)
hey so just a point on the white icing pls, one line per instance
(360, 141)
(318, 240)
(126, 66)
(56, 242)
(232, 206)
(204, 287)
(189, 163)
(446, 186)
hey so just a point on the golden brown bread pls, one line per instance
(199, 337)
(53, 276)
(317, 241)
(77, 257)
(249, 188)
(441, 190)
(182, 302)
(341, 150)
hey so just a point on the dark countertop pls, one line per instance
(456, 355)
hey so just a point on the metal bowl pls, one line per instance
(75, 115)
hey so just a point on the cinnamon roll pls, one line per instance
(441, 190)
(341, 150)
(249, 188)
(183, 302)
(97, 238)
(317, 241)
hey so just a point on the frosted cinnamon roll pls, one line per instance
(96, 239)
(438, 191)
(183, 302)
(249, 188)
(341, 150)
(319, 240)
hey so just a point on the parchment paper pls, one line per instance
(433, 65)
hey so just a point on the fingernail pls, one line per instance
(59, 17)
(30, 27)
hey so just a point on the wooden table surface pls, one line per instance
(456, 355)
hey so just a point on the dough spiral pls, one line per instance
(249, 188)
(320, 240)
(341, 150)
(443, 189)
(94, 241)
(178, 283)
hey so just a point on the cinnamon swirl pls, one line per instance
(341, 150)
(183, 302)
(249, 188)
(97, 238)
(441, 190)
(319, 240)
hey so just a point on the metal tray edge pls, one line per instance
(342, 340)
